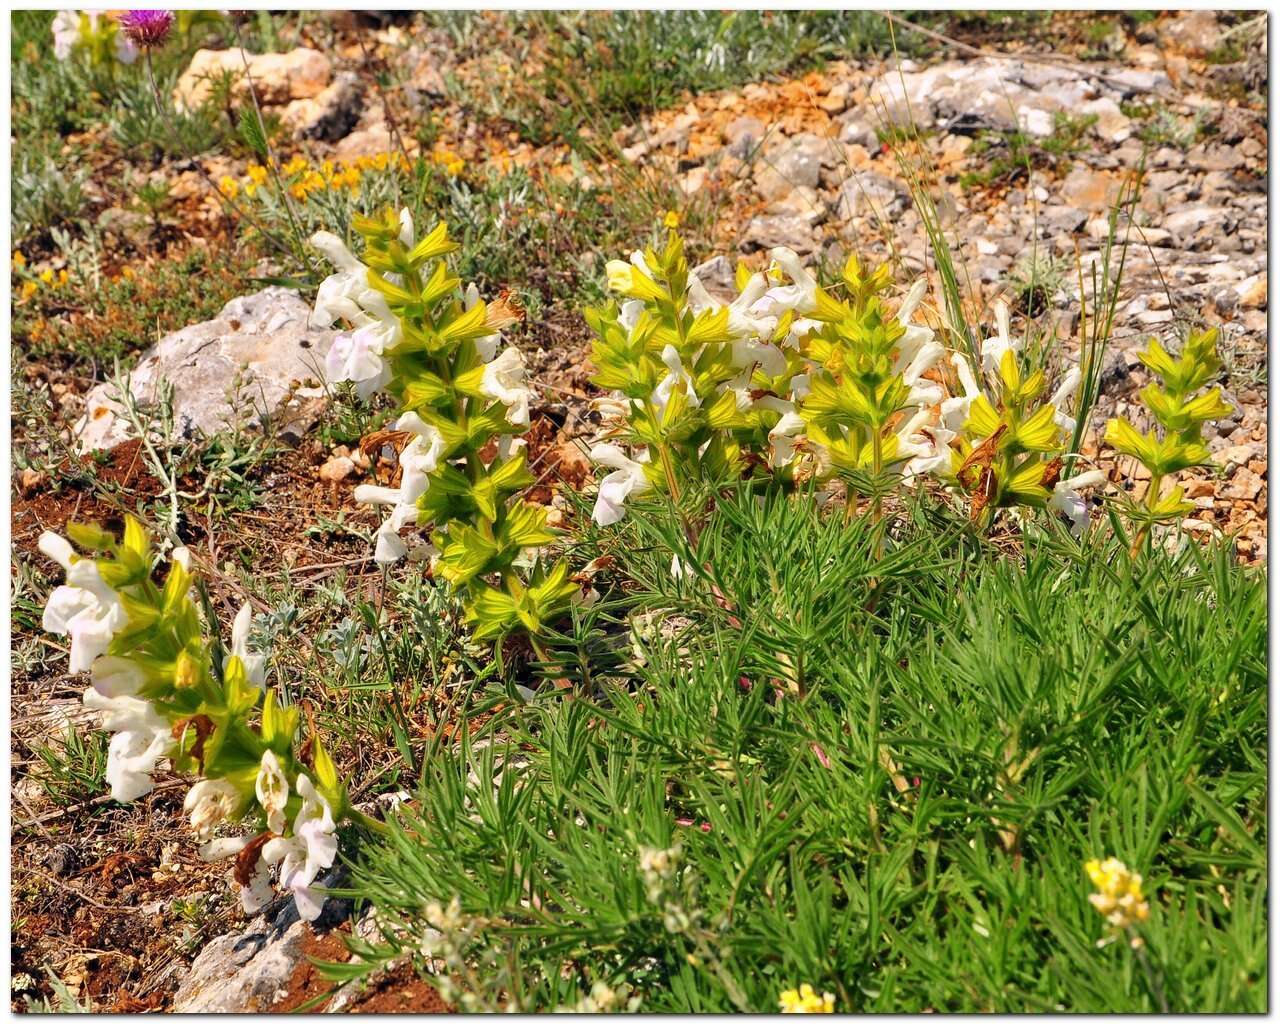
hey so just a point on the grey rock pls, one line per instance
(62, 860)
(241, 366)
(248, 971)
(716, 275)
(856, 131)
(1215, 158)
(796, 163)
(772, 230)
(330, 116)
(870, 194)
(1185, 222)
(1061, 219)
(743, 135)
(1195, 32)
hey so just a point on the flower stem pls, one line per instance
(226, 201)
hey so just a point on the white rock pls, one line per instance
(264, 339)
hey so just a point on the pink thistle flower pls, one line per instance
(149, 29)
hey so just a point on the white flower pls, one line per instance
(1066, 498)
(312, 848)
(800, 296)
(420, 457)
(928, 446)
(356, 356)
(676, 374)
(994, 348)
(257, 894)
(347, 294)
(629, 314)
(255, 665)
(209, 803)
(504, 381)
(84, 608)
(66, 33)
(116, 677)
(142, 738)
(1067, 389)
(956, 410)
(272, 789)
(627, 478)
(486, 347)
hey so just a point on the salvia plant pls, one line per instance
(1180, 410)
(1011, 446)
(166, 687)
(791, 381)
(434, 346)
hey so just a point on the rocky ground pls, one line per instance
(1026, 150)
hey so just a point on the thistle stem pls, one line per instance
(226, 200)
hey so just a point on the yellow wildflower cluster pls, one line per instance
(806, 1001)
(304, 179)
(48, 278)
(1119, 896)
(449, 160)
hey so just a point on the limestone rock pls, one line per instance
(743, 134)
(260, 342)
(329, 116)
(248, 971)
(716, 275)
(300, 74)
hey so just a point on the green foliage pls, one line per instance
(881, 773)
(598, 69)
(72, 767)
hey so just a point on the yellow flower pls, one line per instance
(228, 187)
(19, 260)
(128, 273)
(380, 162)
(296, 165)
(250, 188)
(806, 1001)
(257, 174)
(46, 276)
(671, 220)
(1119, 896)
(298, 190)
(62, 278)
(28, 289)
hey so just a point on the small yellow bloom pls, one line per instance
(671, 220)
(128, 273)
(46, 276)
(257, 174)
(62, 278)
(298, 190)
(228, 187)
(380, 162)
(806, 1001)
(250, 188)
(296, 165)
(455, 167)
(19, 260)
(28, 289)
(1119, 896)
